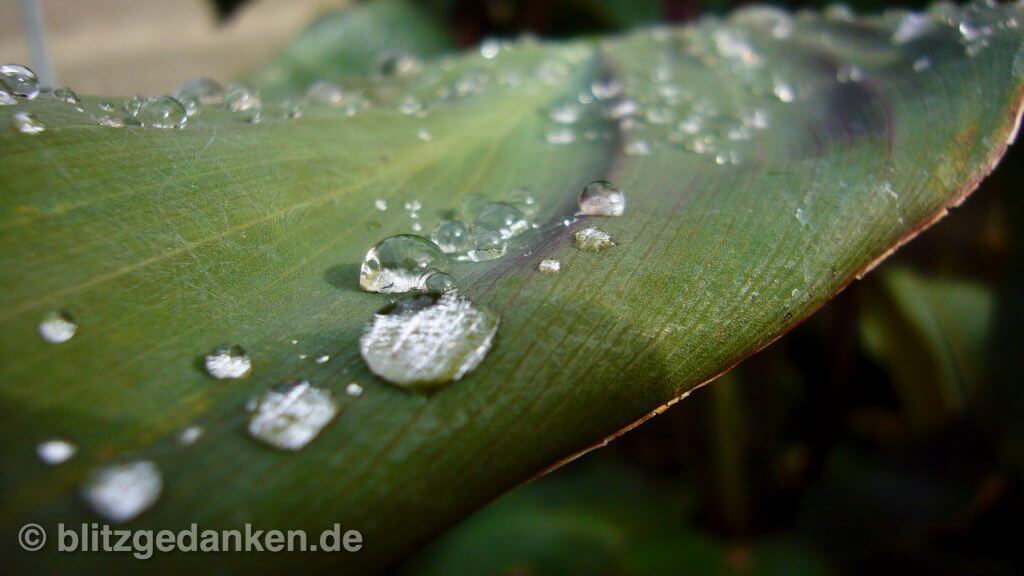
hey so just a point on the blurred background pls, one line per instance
(884, 435)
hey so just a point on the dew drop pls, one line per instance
(921, 64)
(354, 390)
(565, 113)
(451, 236)
(55, 451)
(121, 492)
(424, 135)
(203, 90)
(160, 112)
(490, 47)
(324, 92)
(57, 327)
(399, 264)
(427, 340)
(397, 64)
(190, 435)
(291, 417)
(27, 123)
(601, 198)
(228, 362)
(548, 266)
(563, 135)
(502, 218)
(380, 204)
(592, 240)
(21, 80)
(606, 88)
(486, 245)
(239, 97)
(66, 95)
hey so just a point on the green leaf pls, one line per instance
(163, 244)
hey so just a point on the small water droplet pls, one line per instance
(606, 88)
(27, 123)
(921, 64)
(380, 204)
(121, 492)
(66, 95)
(160, 112)
(593, 240)
(322, 359)
(486, 245)
(601, 198)
(354, 390)
(202, 90)
(239, 97)
(55, 451)
(190, 435)
(563, 135)
(228, 362)
(440, 283)
(565, 113)
(290, 418)
(57, 327)
(424, 135)
(427, 340)
(399, 263)
(490, 47)
(21, 80)
(502, 218)
(397, 64)
(548, 266)
(451, 236)
(324, 92)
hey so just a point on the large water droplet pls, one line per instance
(400, 263)
(203, 90)
(20, 79)
(121, 492)
(592, 240)
(27, 123)
(55, 451)
(427, 340)
(290, 418)
(57, 327)
(160, 112)
(601, 198)
(228, 362)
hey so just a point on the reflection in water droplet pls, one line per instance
(601, 198)
(57, 327)
(55, 451)
(399, 264)
(427, 340)
(440, 283)
(239, 97)
(228, 362)
(121, 492)
(592, 240)
(548, 266)
(292, 417)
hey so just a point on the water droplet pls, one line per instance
(428, 340)
(606, 88)
(380, 204)
(486, 245)
(410, 105)
(440, 283)
(228, 362)
(21, 80)
(354, 390)
(27, 123)
(921, 64)
(563, 135)
(203, 90)
(239, 97)
(55, 451)
(413, 207)
(66, 95)
(601, 198)
(323, 359)
(190, 435)
(57, 327)
(502, 218)
(121, 492)
(424, 135)
(637, 148)
(451, 236)
(6, 96)
(324, 92)
(397, 64)
(290, 418)
(565, 113)
(399, 263)
(160, 112)
(593, 240)
(489, 48)
(548, 266)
